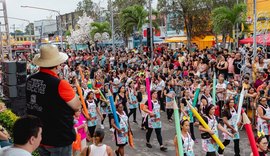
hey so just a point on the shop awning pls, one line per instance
(260, 39)
(176, 39)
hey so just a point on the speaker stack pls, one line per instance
(14, 79)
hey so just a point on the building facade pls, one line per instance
(263, 15)
(68, 20)
(44, 28)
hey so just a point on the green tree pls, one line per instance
(29, 29)
(100, 27)
(19, 32)
(118, 6)
(195, 15)
(133, 18)
(163, 11)
(225, 19)
(89, 7)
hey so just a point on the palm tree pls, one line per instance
(133, 18)
(100, 27)
(225, 19)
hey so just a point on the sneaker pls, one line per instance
(102, 126)
(148, 145)
(112, 129)
(116, 153)
(163, 148)
(135, 122)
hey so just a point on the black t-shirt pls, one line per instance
(237, 66)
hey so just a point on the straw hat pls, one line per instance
(49, 56)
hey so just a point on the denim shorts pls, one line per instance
(55, 151)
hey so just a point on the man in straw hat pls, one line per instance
(53, 101)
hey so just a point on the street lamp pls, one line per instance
(31, 45)
(60, 20)
(111, 10)
(1, 45)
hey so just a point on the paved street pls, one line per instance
(168, 132)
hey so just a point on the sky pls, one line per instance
(14, 9)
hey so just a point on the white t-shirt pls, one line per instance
(98, 150)
(13, 151)
(160, 86)
(220, 86)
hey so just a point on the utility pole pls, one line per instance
(29, 29)
(60, 32)
(151, 37)
(237, 30)
(254, 29)
(1, 45)
(14, 28)
(6, 29)
(111, 10)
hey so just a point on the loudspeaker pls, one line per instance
(21, 67)
(9, 67)
(10, 91)
(9, 79)
(21, 78)
(21, 90)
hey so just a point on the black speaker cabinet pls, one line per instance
(10, 91)
(9, 79)
(21, 67)
(9, 67)
(21, 90)
(21, 78)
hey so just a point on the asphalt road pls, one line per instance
(168, 133)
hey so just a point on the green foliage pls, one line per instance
(89, 7)
(194, 15)
(67, 33)
(119, 5)
(135, 17)
(29, 29)
(7, 119)
(35, 153)
(100, 27)
(225, 17)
